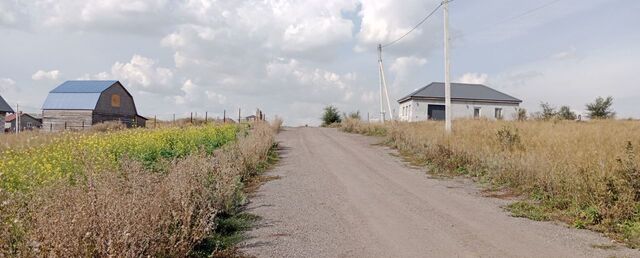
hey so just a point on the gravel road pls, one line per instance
(339, 195)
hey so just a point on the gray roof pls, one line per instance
(74, 95)
(4, 107)
(461, 92)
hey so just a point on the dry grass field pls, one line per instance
(133, 209)
(584, 173)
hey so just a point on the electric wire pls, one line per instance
(417, 25)
(518, 16)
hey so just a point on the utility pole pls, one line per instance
(17, 119)
(447, 67)
(383, 87)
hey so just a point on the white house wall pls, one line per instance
(416, 110)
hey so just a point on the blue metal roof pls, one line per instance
(86, 101)
(83, 86)
(4, 107)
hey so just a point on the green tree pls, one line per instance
(565, 113)
(548, 112)
(331, 116)
(601, 108)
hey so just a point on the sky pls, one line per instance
(291, 58)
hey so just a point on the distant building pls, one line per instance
(4, 109)
(467, 101)
(77, 105)
(250, 118)
(27, 122)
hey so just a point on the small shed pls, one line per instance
(4, 109)
(77, 105)
(28, 122)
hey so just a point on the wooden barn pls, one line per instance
(77, 105)
(4, 109)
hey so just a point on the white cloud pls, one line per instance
(407, 70)
(7, 84)
(575, 82)
(567, 54)
(473, 78)
(53, 75)
(144, 74)
(385, 20)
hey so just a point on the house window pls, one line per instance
(29, 125)
(115, 100)
(498, 113)
(476, 112)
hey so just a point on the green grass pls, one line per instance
(527, 210)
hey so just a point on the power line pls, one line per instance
(417, 25)
(530, 11)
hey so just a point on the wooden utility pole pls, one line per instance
(17, 119)
(447, 72)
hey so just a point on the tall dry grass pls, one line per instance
(585, 173)
(130, 211)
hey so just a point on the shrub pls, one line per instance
(565, 113)
(330, 116)
(601, 108)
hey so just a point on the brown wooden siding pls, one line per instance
(58, 120)
(26, 123)
(126, 108)
(121, 108)
(2, 122)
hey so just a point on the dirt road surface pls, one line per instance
(339, 195)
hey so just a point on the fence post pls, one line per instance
(239, 116)
(206, 117)
(65, 125)
(155, 121)
(82, 124)
(174, 118)
(51, 127)
(224, 116)
(368, 121)
(191, 117)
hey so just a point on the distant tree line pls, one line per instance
(601, 108)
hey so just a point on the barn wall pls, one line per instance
(55, 120)
(416, 110)
(106, 111)
(127, 107)
(2, 122)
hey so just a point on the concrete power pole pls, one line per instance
(17, 118)
(384, 93)
(447, 67)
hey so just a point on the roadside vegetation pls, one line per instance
(172, 192)
(586, 174)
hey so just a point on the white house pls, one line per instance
(467, 101)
